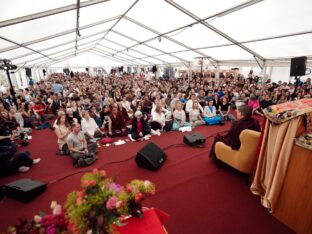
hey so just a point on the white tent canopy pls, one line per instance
(36, 33)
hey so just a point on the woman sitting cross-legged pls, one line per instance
(62, 130)
(195, 116)
(158, 120)
(210, 114)
(89, 126)
(140, 128)
(179, 118)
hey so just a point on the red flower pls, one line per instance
(60, 220)
(92, 182)
(47, 220)
(129, 189)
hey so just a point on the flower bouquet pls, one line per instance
(55, 223)
(103, 203)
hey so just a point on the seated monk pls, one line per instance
(244, 121)
(116, 123)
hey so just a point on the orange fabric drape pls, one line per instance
(277, 144)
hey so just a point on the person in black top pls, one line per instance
(266, 102)
(224, 108)
(216, 101)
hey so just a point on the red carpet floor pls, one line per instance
(199, 197)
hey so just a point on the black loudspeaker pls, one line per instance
(154, 69)
(87, 69)
(150, 157)
(24, 190)
(194, 139)
(44, 72)
(28, 72)
(66, 71)
(298, 66)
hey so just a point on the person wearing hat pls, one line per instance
(140, 128)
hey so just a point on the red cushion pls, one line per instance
(106, 140)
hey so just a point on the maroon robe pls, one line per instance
(232, 137)
(118, 122)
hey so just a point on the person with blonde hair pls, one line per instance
(195, 116)
(62, 130)
(179, 118)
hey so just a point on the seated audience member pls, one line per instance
(244, 121)
(146, 105)
(266, 102)
(158, 120)
(195, 116)
(210, 114)
(89, 126)
(70, 116)
(62, 130)
(20, 120)
(253, 103)
(224, 109)
(94, 114)
(179, 118)
(116, 123)
(39, 112)
(81, 152)
(189, 104)
(140, 128)
(124, 113)
(216, 102)
(26, 113)
(12, 161)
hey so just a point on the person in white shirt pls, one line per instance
(189, 104)
(195, 116)
(89, 126)
(158, 120)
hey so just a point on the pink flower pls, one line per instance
(103, 173)
(111, 202)
(85, 183)
(80, 194)
(51, 229)
(147, 183)
(79, 201)
(95, 171)
(60, 220)
(57, 210)
(47, 220)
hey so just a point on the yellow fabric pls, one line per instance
(277, 144)
(241, 159)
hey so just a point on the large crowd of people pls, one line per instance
(85, 109)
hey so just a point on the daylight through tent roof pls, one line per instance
(145, 33)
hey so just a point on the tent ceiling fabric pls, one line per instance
(145, 32)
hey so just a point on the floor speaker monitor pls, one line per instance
(194, 139)
(150, 157)
(24, 190)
